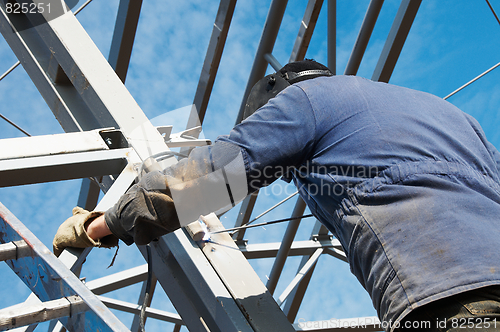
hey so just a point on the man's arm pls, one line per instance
(97, 229)
(280, 135)
(74, 232)
(258, 151)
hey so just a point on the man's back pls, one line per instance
(405, 180)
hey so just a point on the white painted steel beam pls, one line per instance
(18, 316)
(118, 280)
(91, 95)
(136, 309)
(300, 275)
(295, 298)
(50, 280)
(252, 297)
(21, 171)
(195, 289)
(47, 145)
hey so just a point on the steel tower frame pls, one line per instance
(213, 287)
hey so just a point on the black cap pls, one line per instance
(269, 86)
(303, 70)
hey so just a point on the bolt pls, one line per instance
(272, 80)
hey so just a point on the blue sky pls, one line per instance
(450, 43)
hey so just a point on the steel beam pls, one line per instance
(46, 158)
(298, 248)
(15, 172)
(136, 309)
(244, 215)
(50, 280)
(273, 61)
(14, 250)
(136, 322)
(19, 316)
(212, 61)
(90, 95)
(248, 291)
(332, 36)
(122, 43)
(306, 30)
(286, 244)
(295, 298)
(300, 276)
(266, 45)
(47, 145)
(363, 37)
(396, 39)
(118, 280)
(195, 289)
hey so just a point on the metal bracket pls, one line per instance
(185, 138)
(322, 237)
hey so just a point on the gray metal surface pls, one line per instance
(363, 37)
(211, 63)
(396, 39)
(266, 45)
(122, 44)
(250, 294)
(50, 280)
(20, 171)
(31, 314)
(306, 30)
(195, 289)
(286, 244)
(332, 36)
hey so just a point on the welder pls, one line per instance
(407, 183)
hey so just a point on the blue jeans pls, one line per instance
(476, 310)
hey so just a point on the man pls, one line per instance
(407, 183)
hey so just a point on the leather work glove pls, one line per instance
(72, 233)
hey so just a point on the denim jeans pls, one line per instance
(476, 310)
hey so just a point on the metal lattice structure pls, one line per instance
(212, 286)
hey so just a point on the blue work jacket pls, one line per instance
(405, 181)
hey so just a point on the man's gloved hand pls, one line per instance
(72, 233)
